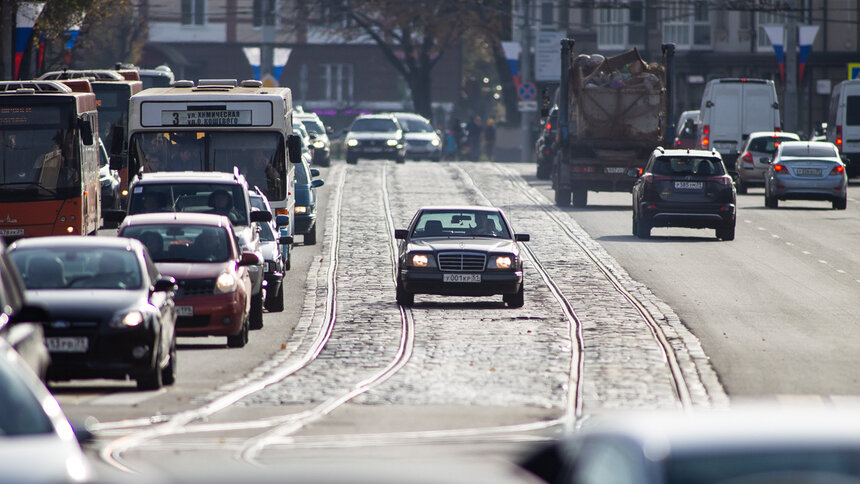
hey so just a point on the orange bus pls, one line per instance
(49, 165)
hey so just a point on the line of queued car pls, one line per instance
(392, 136)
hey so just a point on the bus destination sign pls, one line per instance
(219, 117)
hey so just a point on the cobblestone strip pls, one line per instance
(474, 351)
(702, 382)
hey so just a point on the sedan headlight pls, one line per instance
(502, 262)
(352, 142)
(391, 142)
(130, 319)
(421, 260)
(301, 209)
(225, 283)
(435, 142)
(319, 144)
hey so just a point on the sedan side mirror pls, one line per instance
(249, 259)
(315, 172)
(282, 220)
(165, 284)
(261, 216)
(522, 237)
(634, 172)
(286, 240)
(317, 183)
(401, 234)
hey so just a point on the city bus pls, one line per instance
(49, 165)
(218, 125)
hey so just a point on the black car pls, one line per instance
(460, 251)
(375, 136)
(545, 147)
(684, 188)
(305, 220)
(111, 314)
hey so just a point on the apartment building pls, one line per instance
(714, 39)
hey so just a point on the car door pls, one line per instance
(163, 302)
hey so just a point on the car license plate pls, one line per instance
(10, 232)
(373, 150)
(461, 278)
(808, 171)
(724, 147)
(185, 310)
(614, 169)
(688, 185)
(67, 344)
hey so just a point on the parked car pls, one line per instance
(111, 313)
(306, 203)
(545, 147)
(687, 130)
(843, 123)
(307, 149)
(20, 322)
(756, 156)
(375, 136)
(751, 445)
(684, 188)
(207, 192)
(806, 170)
(422, 141)
(37, 442)
(200, 251)
(319, 134)
(460, 251)
(271, 243)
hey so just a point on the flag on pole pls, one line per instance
(282, 56)
(253, 56)
(512, 54)
(806, 37)
(28, 12)
(776, 34)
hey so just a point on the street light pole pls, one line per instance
(526, 76)
(792, 98)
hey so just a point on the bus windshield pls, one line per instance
(37, 164)
(259, 156)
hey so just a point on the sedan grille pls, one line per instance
(194, 287)
(462, 261)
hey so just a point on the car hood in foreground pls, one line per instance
(482, 244)
(86, 303)
(42, 458)
(193, 270)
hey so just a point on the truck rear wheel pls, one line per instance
(580, 196)
(562, 197)
(544, 170)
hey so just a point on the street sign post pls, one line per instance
(527, 106)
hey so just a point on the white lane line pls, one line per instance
(789, 244)
(747, 221)
(125, 398)
(806, 252)
(775, 236)
(840, 271)
(822, 261)
(762, 228)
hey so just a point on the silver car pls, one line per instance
(756, 156)
(422, 141)
(806, 170)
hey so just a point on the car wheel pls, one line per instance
(771, 202)
(256, 316)
(643, 229)
(840, 204)
(742, 189)
(515, 300)
(351, 160)
(635, 225)
(544, 171)
(152, 380)
(275, 303)
(241, 339)
(562, 197)
(311, 236)
(400, 159)
(580, 197)
(404, 297)
(168, 374)
(288, 258)
(726, 233)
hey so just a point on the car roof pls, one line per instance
(689, 152)
(409, 115)
(177, 218)
(190, 177)
(465, 208)
(377, 115)
(810, 146)
(74, 241)
(313, 116)
(757, 134)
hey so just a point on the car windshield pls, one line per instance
(460, 223)
(374, 125)
(821, 465)
(415, 125)
(313, 126)
(767, 144)
(218, 198)
(266, 234)
(78, 268)
(22, 412)
(687, 166)
(182, 243)
(813, 150)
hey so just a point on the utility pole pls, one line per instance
(267, 48)
(792, 97)
(526, 76)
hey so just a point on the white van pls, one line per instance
(843, 123)
(732, 109)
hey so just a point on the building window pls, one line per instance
(337, 82)
(193, 12)
(687, 25)
(334, 12)
(767, 19)
(621, 28)
(546, 13)
(264, 12)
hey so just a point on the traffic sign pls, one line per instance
(853, 70)
(527, 106)
(527, 91)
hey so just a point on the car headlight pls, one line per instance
(502, 262)
(301, 209)
(435, 142)
(391, 142)
(421, 260)
(130, 319)
(319, 144)
(225, 283)
(352, 142)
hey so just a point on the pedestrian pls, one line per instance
(474, 129)
(457, 133)
(490, 138)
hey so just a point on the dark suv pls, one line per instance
(684, 188)
(377, 136)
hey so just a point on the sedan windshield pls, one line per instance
(767, 144)
(175, 243)
(374, 125)
(460, 223)
(415, 125)
(78, 268)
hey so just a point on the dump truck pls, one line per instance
(618, 110)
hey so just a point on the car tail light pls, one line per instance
(651, 178)
(548, 126)
(777, 129)
(780, 168)
(838, 141)
(747, 158)
(706, 135)
(837, 170)
(723, 180)
(677, 142)
(546, 152)
(584, 169)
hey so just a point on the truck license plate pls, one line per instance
(461, 278)
(67, 344)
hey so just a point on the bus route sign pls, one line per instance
(220, 117)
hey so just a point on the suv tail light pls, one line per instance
(780, 168)
(747, 158)
(706, 136)
(837, 170)
(838, 140)
(723, 180)
(651, 178)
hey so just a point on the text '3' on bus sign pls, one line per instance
(221, 117)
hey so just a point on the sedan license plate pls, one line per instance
(808, 171)
(11, 232)
(688, 185)
(185, 310)
(472, 278)
(67, 344)
(614, 169)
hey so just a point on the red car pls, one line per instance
(200, 251)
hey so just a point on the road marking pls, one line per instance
(775, 236)
(822, 261)
(806, 252)
(762, 228)
(840, 271)
(125, 398)
(791, 244)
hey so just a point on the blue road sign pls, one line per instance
(527, 91)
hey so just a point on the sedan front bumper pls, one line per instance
(492, 282)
